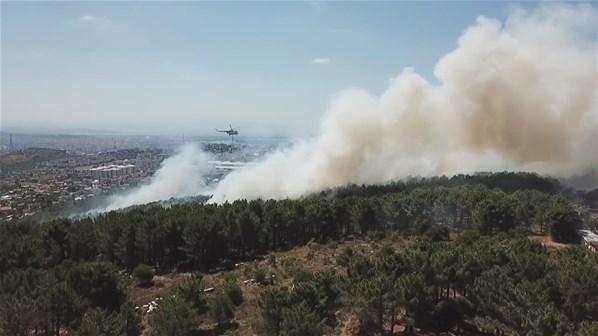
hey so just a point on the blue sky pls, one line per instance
(186, 67)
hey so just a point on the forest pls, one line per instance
(448, 254)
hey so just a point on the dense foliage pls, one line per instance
(503, 284)
(72, 274)
(143, 274)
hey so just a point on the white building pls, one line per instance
(112, 171)
(590, 240)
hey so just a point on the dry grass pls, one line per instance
(162, 286)
(547, 241)
(312, 257)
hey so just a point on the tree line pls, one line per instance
(71, 273)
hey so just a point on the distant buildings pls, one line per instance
(48, 179)
(229, 165)
(148, 160)
(56, 172)
(112, 171)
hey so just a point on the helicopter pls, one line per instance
(230, 131)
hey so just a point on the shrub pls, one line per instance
(468, 237)
(143, 274)
(99, 284)
(374, 236)
(287, 265)
(345, 256)
(221, 308)
(313, 245)
(446, 315)
(98, 322)
(260, 276)
(300, 320)
(564, 222)
(272, 259)
(192, 292)
(175, 317)
(438, 233)
(233, 291)
(272, 302)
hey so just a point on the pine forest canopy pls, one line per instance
(68, 275)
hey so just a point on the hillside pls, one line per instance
(339, 266)
(417, 259)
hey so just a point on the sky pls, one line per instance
(269, 68)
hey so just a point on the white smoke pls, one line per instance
(515, 96)
(180, 175)
(518, 96)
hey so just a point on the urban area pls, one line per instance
(50, 174)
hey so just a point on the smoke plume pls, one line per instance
(522, 96)
(518, 95)
(180, 175)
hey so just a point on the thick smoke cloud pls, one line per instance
(522, 96)
(180, 175)
(515, 96)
